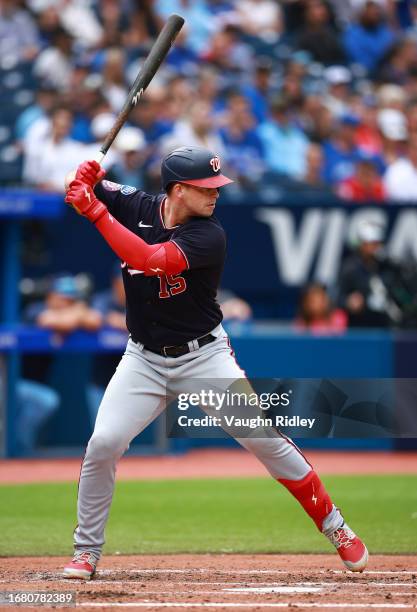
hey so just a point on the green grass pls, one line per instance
(230, 515)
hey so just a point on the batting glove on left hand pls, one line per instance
(82, 197)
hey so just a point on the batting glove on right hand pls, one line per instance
(90, 172)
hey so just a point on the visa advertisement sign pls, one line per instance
(276, 249)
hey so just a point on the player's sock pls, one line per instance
(333, 521)
(315, 500)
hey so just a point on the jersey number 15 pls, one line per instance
(170, 285)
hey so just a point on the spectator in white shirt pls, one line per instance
(48, 159)
(114, 86)
(76, 16)
(54, 63)
(19, 37)
(338, 79)
(260, 18)
(196, 129)
(393, 129)
(401, 176)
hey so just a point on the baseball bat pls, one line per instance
(155, 58)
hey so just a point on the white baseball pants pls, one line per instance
(135, 396)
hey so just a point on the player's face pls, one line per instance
(199, 201)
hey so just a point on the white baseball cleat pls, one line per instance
(82, 566)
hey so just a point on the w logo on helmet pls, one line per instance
(215, 163)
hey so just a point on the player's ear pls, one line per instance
(179, 190)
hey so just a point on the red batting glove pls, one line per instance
(81, 197)
(90, 172)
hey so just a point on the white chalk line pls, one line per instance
(204, 604)
(272, 590)
(339, 583)
(285, 589)
(144, 593)
(202, 570)
(274, 585)
(321, 583)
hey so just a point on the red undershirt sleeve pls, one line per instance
(152, 259)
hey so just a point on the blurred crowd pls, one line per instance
(320, 94)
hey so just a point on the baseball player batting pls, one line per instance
(173, 250)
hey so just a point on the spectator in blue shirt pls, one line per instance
(63, 310)
(46, 99)
(147, 116)
(341, 152)
(182, 59)
(369, 38)
(258, 91)
(128, 168)
(284, 143)
(198, 20)
(244, 152)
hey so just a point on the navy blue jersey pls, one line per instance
(168, 310)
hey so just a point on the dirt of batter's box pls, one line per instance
(193, 582)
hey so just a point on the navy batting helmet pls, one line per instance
(194, 166)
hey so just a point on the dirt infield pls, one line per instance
(207, 463)
(223, 582)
